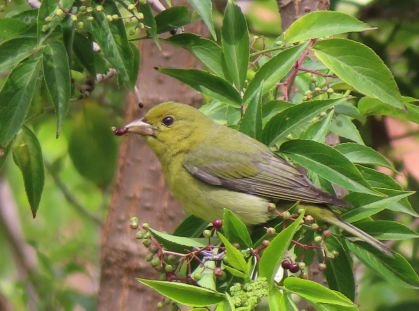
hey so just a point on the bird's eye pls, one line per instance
(168, 121)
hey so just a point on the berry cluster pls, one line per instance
(248, 295)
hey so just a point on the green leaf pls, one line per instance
(235, 230)
(206, 270)
(338, 272)
(47, 8)
(149, 21)
(315, 292)
(178, 243)
(172, 18)
(373, 208)
(251, 122)
(372, 106)
(362, 154)
(319, 130)
(235, 38)
(92, 146)
(185, 294)
(57, 78)
(344, 127)
(206, 83)
(394, 269)
(204, 9)
(191, 226)
(273, 71)
(83, 50)
(376, 179)
(327, 163)
(359, 66)
(16, 97)
(293, 118)
(207, 51)
(27, 155)
(319, 24)
(112, 39)
(235, 258)
(14, 51)
(387, 230)
(11, 28)
(276, 249)
(280, 301)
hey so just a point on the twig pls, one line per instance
(317, 73)
(70, 198)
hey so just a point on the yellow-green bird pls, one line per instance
(210, 167)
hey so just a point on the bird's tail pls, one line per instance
(331, 218)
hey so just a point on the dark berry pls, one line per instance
(217, 224)
(294, 267)
(286, 264)
(119, 131)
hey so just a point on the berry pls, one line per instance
(286, 264)
(131, 7)
(218, 272)
(314, 226)
(330, 90)
(271, 231)
(294, 267)
(286, 215)
(206, 233)
(146, 226)
(169, 268)
(147, 242)
(59, 12)
(153, 249)
(308, 219)
(155, 262)
(99, 8)
(74, 18)
(196, 276)
(327, 233)
(133, 222)
(318, 239)
(217, 224)
(302, 265)
(139, 235)
(322, 266)
(265, 243)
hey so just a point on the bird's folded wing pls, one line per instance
(260, 173)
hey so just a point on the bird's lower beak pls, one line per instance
(137, 126)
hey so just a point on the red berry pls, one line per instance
(294, 267)
(119, 131)
(265, 243)
(286, 264)
(217, 224)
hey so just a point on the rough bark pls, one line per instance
(139, 189)
(291, 10)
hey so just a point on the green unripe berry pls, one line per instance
(308, 93)
(322, 266)
(314, 226)
(139, 235)
(59, 12)
(131, 7)
(99, 8)
(271, 231)
(153, 248)
(82, 8)
(48, 18)
(149, 257)
(206, 233)
(140, 15)
(146, 226)
(330, 90)
(80, 25)
(318, 239)
(286, 215)
(160, 305)
(115, 17)
(89, 9)
(74, 18)
(133, 221)
(196, 276)
(147, 242)
(169, 268)
(302, 265)
(335, 253)
(90, 18)
(317, 89)
(109, 18)
(301, 211)
(44, 28)
(155, 261)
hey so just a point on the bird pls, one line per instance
(210, 167)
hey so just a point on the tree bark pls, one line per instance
(139, 188)
(291, 10)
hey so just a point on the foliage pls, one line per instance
(291, 92)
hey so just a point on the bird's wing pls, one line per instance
(259, 172)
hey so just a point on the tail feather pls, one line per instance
(331, 218)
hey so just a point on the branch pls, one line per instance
(70, 198)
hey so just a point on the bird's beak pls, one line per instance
(137, 126)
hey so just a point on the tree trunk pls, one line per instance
(139, 188)
(291, 10)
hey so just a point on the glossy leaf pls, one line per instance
(207, 51)
(372, 106)
(172, 18)
(235, 258)
(57, 78)
(339, 272)
(235, 230)
(315, 292)
(178, 243)
(47, 8)
(280, 301)
(235, 38)
(204, 9)
(16, 97)
(27, 155)
(91, 127)
(14, 51)
(359, 66)
(387, 230)
(327, 163)
(206, 83)
(394, 269)
(344, 127)
(185, 294)
(112, 39)
(11, 28)
(295, 117)
(83, 50)
(276, 249)
(373, 208)
(273, 71)
(191, 226)
(251, 122)
(149, 21)
(362, 154)
(319, 130)
(319, 24)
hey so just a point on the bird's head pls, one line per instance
(169, 126)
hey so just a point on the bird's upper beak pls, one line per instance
(137, 126)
